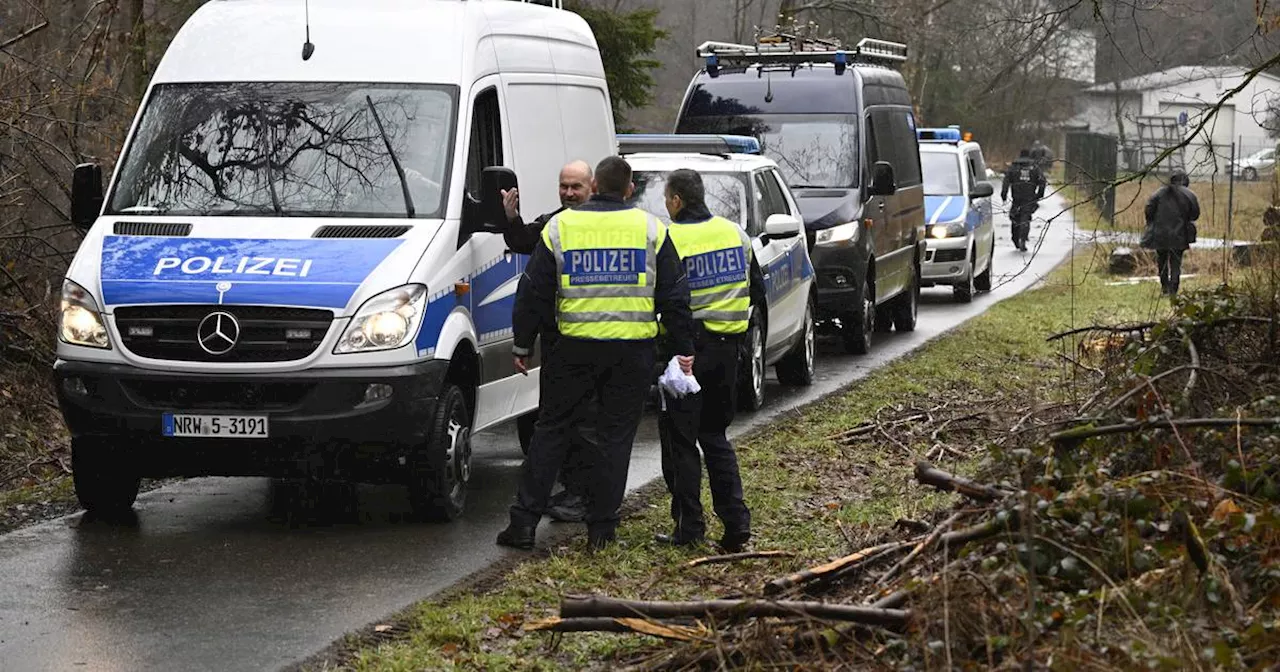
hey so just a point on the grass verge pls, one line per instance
(809, 494)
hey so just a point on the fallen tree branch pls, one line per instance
(641, 626)
(734, 557)
(929, 475)
(24, 35)
(920, 547)
(991, 528)
(831, 569)
(595, 606)
(1089, 431)
(1123, 329)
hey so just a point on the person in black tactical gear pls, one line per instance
(1027, 183)
(570, 504)
(1171, 214)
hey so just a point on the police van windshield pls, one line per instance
(813, 151)
(726, 194)
(941, 173)
(292, 149)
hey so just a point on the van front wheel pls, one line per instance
(856, 327)
(105, 480)
(441, 466)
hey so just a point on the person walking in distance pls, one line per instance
(1027, 183)
(603, 272)
(719, 262)
(570, 504)
(1171, 214)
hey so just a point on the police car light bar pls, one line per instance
(949, 134)
(638, 143)
(785, 49)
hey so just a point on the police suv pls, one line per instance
(957, 199)
(298, 268)
(745, 188)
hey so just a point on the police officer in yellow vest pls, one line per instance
(601, 274)
(722, 276)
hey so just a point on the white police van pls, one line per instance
(747, 189)
(960, 234)
(295, 269)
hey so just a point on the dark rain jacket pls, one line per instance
(1169, 213)
(1025, 180)
(536, 296)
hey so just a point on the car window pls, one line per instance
(771, 201)
(941, 174)
(774, 184)
(892, 138)
(726, 194)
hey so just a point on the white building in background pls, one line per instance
(1171, 105)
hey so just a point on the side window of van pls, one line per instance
(486, 139)
(891, 138)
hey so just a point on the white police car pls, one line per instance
(959, 230)
(745, 188)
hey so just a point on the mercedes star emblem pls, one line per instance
(218, 333)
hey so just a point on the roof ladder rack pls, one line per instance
(784, 48)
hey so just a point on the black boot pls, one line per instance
(517, 536)
(678, 539)
(735, 542)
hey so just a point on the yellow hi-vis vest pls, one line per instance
(717, 259)
(608, 268)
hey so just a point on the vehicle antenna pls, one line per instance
(307, 47)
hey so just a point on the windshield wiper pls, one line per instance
(404, 183)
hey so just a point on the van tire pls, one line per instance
(106, 482)
(797, 367)
(856, 327)
(982, 283)
(963, 291)
(906, 308)
(441, 467)
(752, 366)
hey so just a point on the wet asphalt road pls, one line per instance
(212, 575)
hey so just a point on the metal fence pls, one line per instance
(1090, 166)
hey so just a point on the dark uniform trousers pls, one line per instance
(618, 374)
(702, 419)
(579, 459)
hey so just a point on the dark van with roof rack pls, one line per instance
(839, 124)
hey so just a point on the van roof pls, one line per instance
(400, 41)
(808, 89)
(703, 163)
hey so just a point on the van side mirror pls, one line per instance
(493, 181)
(883, 182)
(86, 195)
(782, 226)
(982, 190)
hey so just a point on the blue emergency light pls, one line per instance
(949, 134)
(636, 143)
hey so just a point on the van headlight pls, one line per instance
(952, 230)
(385, 322)
(843, 235)
(81, 321)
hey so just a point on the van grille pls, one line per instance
(217, 395)
(152, 229)
(358, 231)
(266, 333)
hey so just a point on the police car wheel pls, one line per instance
(442, 466)
(963, 290)
(797, 367)
(983, 282)
(856, 327)
(105, 481)
(751, 368)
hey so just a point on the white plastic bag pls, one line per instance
(677, 383)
